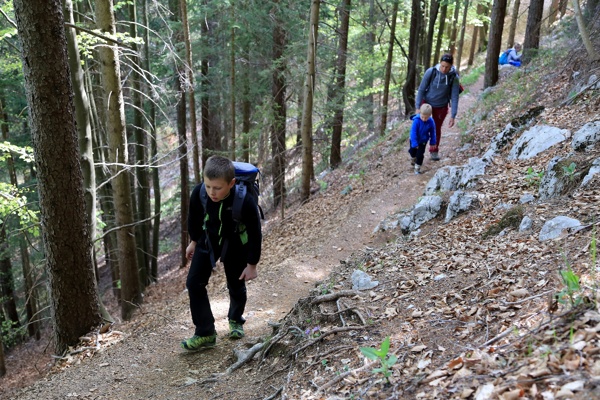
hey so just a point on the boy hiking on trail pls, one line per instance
(421, 132)
(214, 235)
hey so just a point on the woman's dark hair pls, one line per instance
(447, 58)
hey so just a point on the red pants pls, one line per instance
(439, 115)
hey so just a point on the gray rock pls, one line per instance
(536, 140)
(527, 198)
(460, 201)
(426, 209)
(526, 224)
(445, 179)
(553, 181)
(470, 172)
(362, 281)
(593, 80)
(500, 141)
(554, 228)
(586, 137)
(594, 170)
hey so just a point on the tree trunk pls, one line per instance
(388, 71)
(454, 30)
(65, 231)
(484, 32)
(2, 362)
(205, 91)
(142, 184)
(532, 31)
(117, 143)
(461, 41)
(278, 127)
(191, 90)
(309, 87)
(154, 151)
(585, 36)
(339, 100)
(409, 88)
(7, 282)
(440, 36)
(473, 45)
(370, 105)
(513, 24)
(435, 7)
(232, 84)
(554, 10)
(494, 43)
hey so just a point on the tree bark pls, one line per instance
(278, 126)
(117, 143)
(513, 24)
(461, 41)
(473, 45)
(585, 36)
(309, 87)
(440, 35)
(205, 91)
(494, 43)
(339, 101)
(409, 88)
(7, 282)
(454, 30)
(232, 99)
(532, 30)
(388, 71)
(67, 242)
(434, 8)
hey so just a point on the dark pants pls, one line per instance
(418, 153)
(196, 283)
(439, 115)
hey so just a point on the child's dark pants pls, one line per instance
(418, 153)
(196, 283)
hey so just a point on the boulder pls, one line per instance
(470, 172)
(594, 170)
(460, 201)
(500, 141)
(553, 181)
(586, 137)
(554, 228)
(426, 209)
(536, 140)
(526, 224)
(445, 179)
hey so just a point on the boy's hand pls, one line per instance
(189, 251)
(451, 123)
(249, 273)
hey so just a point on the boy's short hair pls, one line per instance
(425, 109)
(219, 167)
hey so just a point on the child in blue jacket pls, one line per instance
(421, 132)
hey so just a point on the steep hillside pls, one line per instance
(469, 313)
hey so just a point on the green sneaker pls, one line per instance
(197, 343)
(236, 330)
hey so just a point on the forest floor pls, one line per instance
(446, 297)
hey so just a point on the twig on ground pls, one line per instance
(323, 334)
(334, 296)
(325, 354)
(340, 377)
(271, 397)
(504, 334)
(244, 356)
(509, 303)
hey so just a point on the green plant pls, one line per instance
(534, 178)
(569, 170)
(323, 185)
(360, 177)
(386, 360)
(571, 281)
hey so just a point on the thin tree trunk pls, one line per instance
(309, 87)
(440, 36)
(278, 127)
(408, 90)
(246, 113)
(435, 7)
(494, 43)
(2, 362)
(388, 71)
(130, 284)
(513, 24)
(461, 41)
(335, 158)
(7, 282)
(205, 92)
(473, 45)
(454, 30)
(232, 84)
(369, 80)
(65, 230)
(585, 36)
(484, 32)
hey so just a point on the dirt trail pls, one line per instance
(297, 253)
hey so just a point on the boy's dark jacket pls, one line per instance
(220, 225)
(422, 131)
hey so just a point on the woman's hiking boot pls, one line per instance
(236, 330)
(197, 343)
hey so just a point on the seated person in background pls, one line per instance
(514, 58)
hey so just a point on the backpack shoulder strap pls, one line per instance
(430, 78)
(238, 201)
(203, 196)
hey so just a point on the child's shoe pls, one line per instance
(197, 343)
(435, 156)
(418, 170)
(236, 330)
(413, 161)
